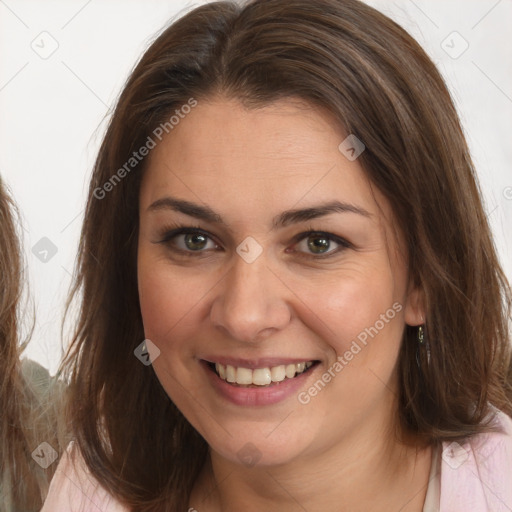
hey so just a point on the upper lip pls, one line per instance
(252, 364)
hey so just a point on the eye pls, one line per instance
(320, 244)
(187, 240)
(193, 241)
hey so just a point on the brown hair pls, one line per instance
(27, 416)
(380, 85)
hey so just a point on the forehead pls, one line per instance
(258, 160)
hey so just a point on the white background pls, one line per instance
(53, 111)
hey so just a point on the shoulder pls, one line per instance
(477, 474)
(40, 388)
(74, 489)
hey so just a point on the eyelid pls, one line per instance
(169, 232)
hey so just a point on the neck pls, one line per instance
(365, 471)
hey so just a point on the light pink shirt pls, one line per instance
(473, 476)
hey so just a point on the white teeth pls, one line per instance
(290, 370)
(243, 376)
(230, 373)
(260, 376)
(278, 373)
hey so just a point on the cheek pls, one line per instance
(344, 306)
(158, 309)
(168, 300)
(360, 319)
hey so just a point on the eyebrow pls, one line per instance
(284, 219)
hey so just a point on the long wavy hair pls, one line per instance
(346, 57)
(28, 415)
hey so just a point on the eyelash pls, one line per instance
(168, 233)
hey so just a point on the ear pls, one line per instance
(414, 313)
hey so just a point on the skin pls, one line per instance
(338, 452)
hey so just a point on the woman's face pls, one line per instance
(249, 289)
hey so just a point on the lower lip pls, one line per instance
(265, 395)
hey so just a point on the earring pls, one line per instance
(421, 339)
(422, 342)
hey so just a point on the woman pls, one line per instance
(27, 409)
(284, 222)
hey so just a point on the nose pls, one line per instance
(251, 302)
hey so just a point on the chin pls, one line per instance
(257, 449)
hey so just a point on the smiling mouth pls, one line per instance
(260, 377)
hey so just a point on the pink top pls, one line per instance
(473, 476)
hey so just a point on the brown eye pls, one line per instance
(195, 242)
(318, 244)
(187, 240)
